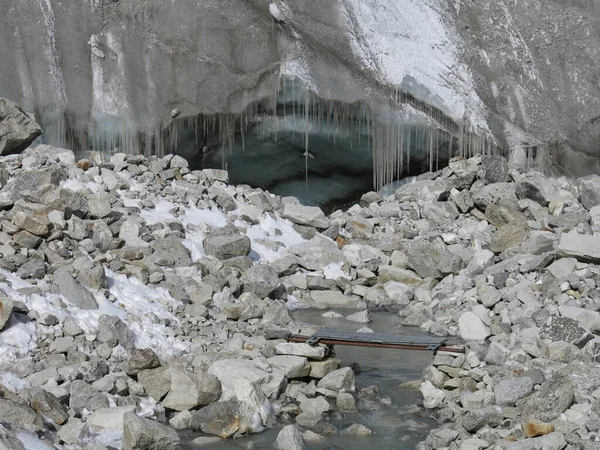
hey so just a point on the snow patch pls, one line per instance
(12, 382)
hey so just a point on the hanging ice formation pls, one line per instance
(404, 133)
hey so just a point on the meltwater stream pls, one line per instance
(397, 424)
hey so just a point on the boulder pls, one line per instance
(20, 416)
(589, 191)
(291, 366)
(583, 247)
(432, 259)
(6, 308)
(306, 215)
(495, 169)
(260, 279)
(564, 329)
(553, 398)
(229, 371)
(109, 418)
(83, 396)
(74, 292)
(301, 349)
(477, 419)
(191, 389)
(339, 380)
(226, 243)
(289, 438)
(507, 392)
(217, 419)
(145, 434)
(141, 359)
(471, 328)
(170, 252)
(18, 129)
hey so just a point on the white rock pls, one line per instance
(471, 327)
(432, 396)
(360, 317)
(300, 349)
(306, 215)
(109, 418)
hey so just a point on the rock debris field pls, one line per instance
(139, 298)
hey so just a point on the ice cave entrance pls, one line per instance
(318, 151)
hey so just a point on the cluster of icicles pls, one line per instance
(413, 130)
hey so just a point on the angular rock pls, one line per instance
(226, 243)
(582, 247)
(83, 396)
(589, 191)
(471, 327)
(289, 438)
(109, 418)
(508, 391)
(141, 359)
(477, 419)
(291, 366)
(306, 215)
(18, 128)
(6, 308)
(552, 441)
(191, 389)
(73, 291)
(564, 329)
(145, 434)
(495, 169)
(170, 252)
(535, 428)
(301, 349)
(432, 259)
(339, 380)
(218, 419)
(20, 416)
(260, 279)
(550, 401)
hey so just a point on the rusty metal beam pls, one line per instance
(441, 348)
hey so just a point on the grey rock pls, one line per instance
(432, 259)
(145, 434)
(360, 317)
(99, 205)
(289, 438)
(495, 169)
(562, 267)
(20, 415)
(34, 224)
(113, 331)
(141, 359)
(47, 405)
(477, 419)
(583, 247)
(338, 380)
(92, 276)
(537, 188)
(564, 329)
(18, 128)
(170, 252)
(156, 382)
(73, 291)
(589, 191)
(509, 236)
(508, 391)
(226, 242)
(191, 389)
(291, 366)
(34, 268)
(260, 279)
(495, 194)
(217, 419)
(551, 400)
(83, 396)
(306, 215)
(6, 309)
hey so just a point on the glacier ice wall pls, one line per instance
(108, 73)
